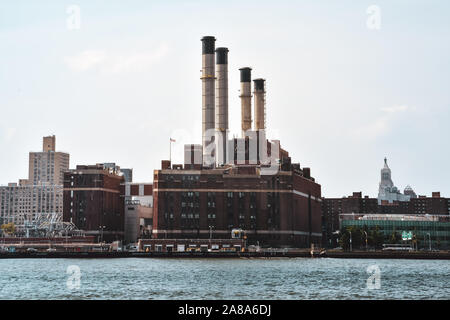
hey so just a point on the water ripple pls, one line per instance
(224, 279)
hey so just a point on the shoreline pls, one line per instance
(445, 255)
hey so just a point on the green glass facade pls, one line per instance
(423, 228)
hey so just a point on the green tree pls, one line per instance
(8, 228)
(357, 237)
(376, 238)
(395, 237)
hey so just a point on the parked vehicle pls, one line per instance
(133, 248)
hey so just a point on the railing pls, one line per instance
(394, 217)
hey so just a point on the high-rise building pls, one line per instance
(40, 194)
(47, 167)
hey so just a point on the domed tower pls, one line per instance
(409, 192)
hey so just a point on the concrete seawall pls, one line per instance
(444, 255)
(266, 254)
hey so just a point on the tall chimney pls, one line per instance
(260, 104)
(208, 84)
(246, 100)
(221, 105)
(260, 119)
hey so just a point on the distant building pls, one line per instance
(40, 194)
(387, 191)
(127, 174)
(138, 199)
(23, 204)
(427, 230)
(138, 221)
(332, 208)
(409, 192)
(92, 200)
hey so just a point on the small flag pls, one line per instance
(172, 140)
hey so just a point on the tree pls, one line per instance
(8, 228)
(357, 236)
(395, 237)
(376, 238)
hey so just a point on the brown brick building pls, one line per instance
(280, 209)
(333, 207)
(92, 201)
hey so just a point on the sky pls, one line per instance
(348, 83)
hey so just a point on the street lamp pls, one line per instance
(336, 233)
(366, 239)
(210, 232)
(429, 237)
(350, 241)
(101, 236)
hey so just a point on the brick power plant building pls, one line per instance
(246, 183)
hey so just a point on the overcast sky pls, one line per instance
(348, 83)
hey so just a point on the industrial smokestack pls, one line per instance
(221, 105)
(260, 104)
(208, 87)
(260, 119)
(246, 100)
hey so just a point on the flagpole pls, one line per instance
(170, 150)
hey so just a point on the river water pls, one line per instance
(275, 278)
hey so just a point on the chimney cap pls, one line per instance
(222, 49)
(259, 84)
(209, 38)
(246, 74)
(222, 55)
(208, 44)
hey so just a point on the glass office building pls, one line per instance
(424, 228)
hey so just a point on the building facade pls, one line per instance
(22, 204)
(138, 199)
(39, 195)
(92, 200)
(282, 209)
(332, 208)
(428, 231)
